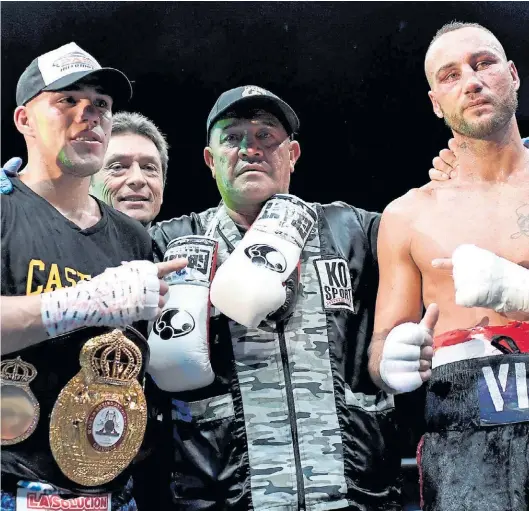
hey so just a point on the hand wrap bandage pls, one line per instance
(401, 356)
(117, 297)
(483, 279)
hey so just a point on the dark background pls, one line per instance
(352, 71)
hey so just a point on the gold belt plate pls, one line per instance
(99, 419)
(20, 408)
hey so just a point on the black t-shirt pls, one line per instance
(43, 251)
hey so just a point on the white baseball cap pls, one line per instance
(65, 66)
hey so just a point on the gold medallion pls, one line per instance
(20, 408)
(99, 419)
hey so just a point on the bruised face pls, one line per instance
(251, 158)
(131, 179)
(70, 128)
(473, 86)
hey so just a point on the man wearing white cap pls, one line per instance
(67, 435)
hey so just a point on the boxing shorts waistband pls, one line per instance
(479, 342)
(477, 393)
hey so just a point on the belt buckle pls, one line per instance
(99, 419)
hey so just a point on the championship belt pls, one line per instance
(99, 419)
(20, 408)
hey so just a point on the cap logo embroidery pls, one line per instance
(67, 59)
(253, 90)
(75, 59)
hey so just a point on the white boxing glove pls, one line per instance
(248, 286)
(483, 279)
(179, 339)
(401, 356)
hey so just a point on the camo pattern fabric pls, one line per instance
(269, 421)
(292, 421)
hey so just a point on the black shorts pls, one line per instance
(475, 454)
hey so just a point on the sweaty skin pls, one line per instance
(474, 91)
(251, 160)
(442, 216)
(224, 185)
(429, 223)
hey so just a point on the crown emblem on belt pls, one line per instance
(15, 371)
(112, 359)
(20, 408)
(99, 419)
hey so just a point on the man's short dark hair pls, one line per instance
(457, 25)
(138, 124)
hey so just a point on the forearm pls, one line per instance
(398, 301)
(21, 323)
(375, 358)
(116, 298)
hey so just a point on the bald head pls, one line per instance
(457, 35)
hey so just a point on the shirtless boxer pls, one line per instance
(474, 453)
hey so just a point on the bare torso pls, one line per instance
(492, 216)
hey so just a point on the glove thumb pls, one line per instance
(430, 317)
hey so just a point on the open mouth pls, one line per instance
(88, 137)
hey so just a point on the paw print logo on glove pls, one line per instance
(173, 323)
(267, 256)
